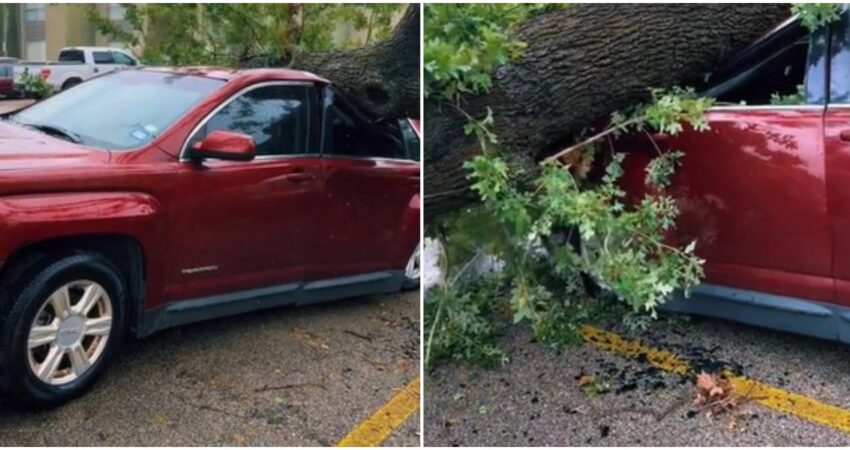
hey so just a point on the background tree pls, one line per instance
(379, 70)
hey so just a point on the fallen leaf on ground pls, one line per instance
(716, 394)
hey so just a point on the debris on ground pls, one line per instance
(645, 405)
(593, 385)
(716, 395)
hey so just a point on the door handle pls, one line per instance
(844, 135)
(299, 177)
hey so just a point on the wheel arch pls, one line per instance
(408, 234)
(70, 81)
(125, 252)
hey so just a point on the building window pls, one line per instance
(34, 12)
(115, 11)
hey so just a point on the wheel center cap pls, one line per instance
(71, 331)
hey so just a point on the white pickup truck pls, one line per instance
(77, 64)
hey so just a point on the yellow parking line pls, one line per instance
(612, 342)
(393, 414)
(766, 395)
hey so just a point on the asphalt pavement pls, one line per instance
(295, 376)
(537, 398)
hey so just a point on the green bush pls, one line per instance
(34, 86)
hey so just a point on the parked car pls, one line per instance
(186, 195)
(7, 80)
(77, 64)
(766, 191)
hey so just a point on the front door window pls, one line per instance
(276, 116)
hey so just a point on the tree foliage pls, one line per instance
(815, 15)
(228, 34)
(563, 228)
(465, 42)
(464, 323)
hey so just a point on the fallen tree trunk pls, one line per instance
(581, 64)
(382, 78)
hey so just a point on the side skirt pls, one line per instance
(795, 315)
(183, 312)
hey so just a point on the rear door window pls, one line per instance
(787, 68)
(839, 77)
(346, 134)
(411, 139)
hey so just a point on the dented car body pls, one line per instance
(766, 191)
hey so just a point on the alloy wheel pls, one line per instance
(70, 332)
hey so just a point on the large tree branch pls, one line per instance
(383, 78)
(581, 64)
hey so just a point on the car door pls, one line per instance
(751, 190)
(248, 224)
(837, 153)
(370, 200)
(104, 61)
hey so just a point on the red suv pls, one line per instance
(766, 191)
(146, 199)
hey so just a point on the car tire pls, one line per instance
(412, 271)
(60, 329)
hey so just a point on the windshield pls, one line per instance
(119, 111)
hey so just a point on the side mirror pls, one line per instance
(226, 145)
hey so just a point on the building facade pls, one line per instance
(38, 31)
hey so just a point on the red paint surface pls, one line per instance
(7, 85)
(837, 119)
(764, 201)
(235, 146)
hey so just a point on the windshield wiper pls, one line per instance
(55, 130)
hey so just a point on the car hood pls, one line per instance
(22, 148)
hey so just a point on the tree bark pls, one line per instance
(382, 78)
(581, 64)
